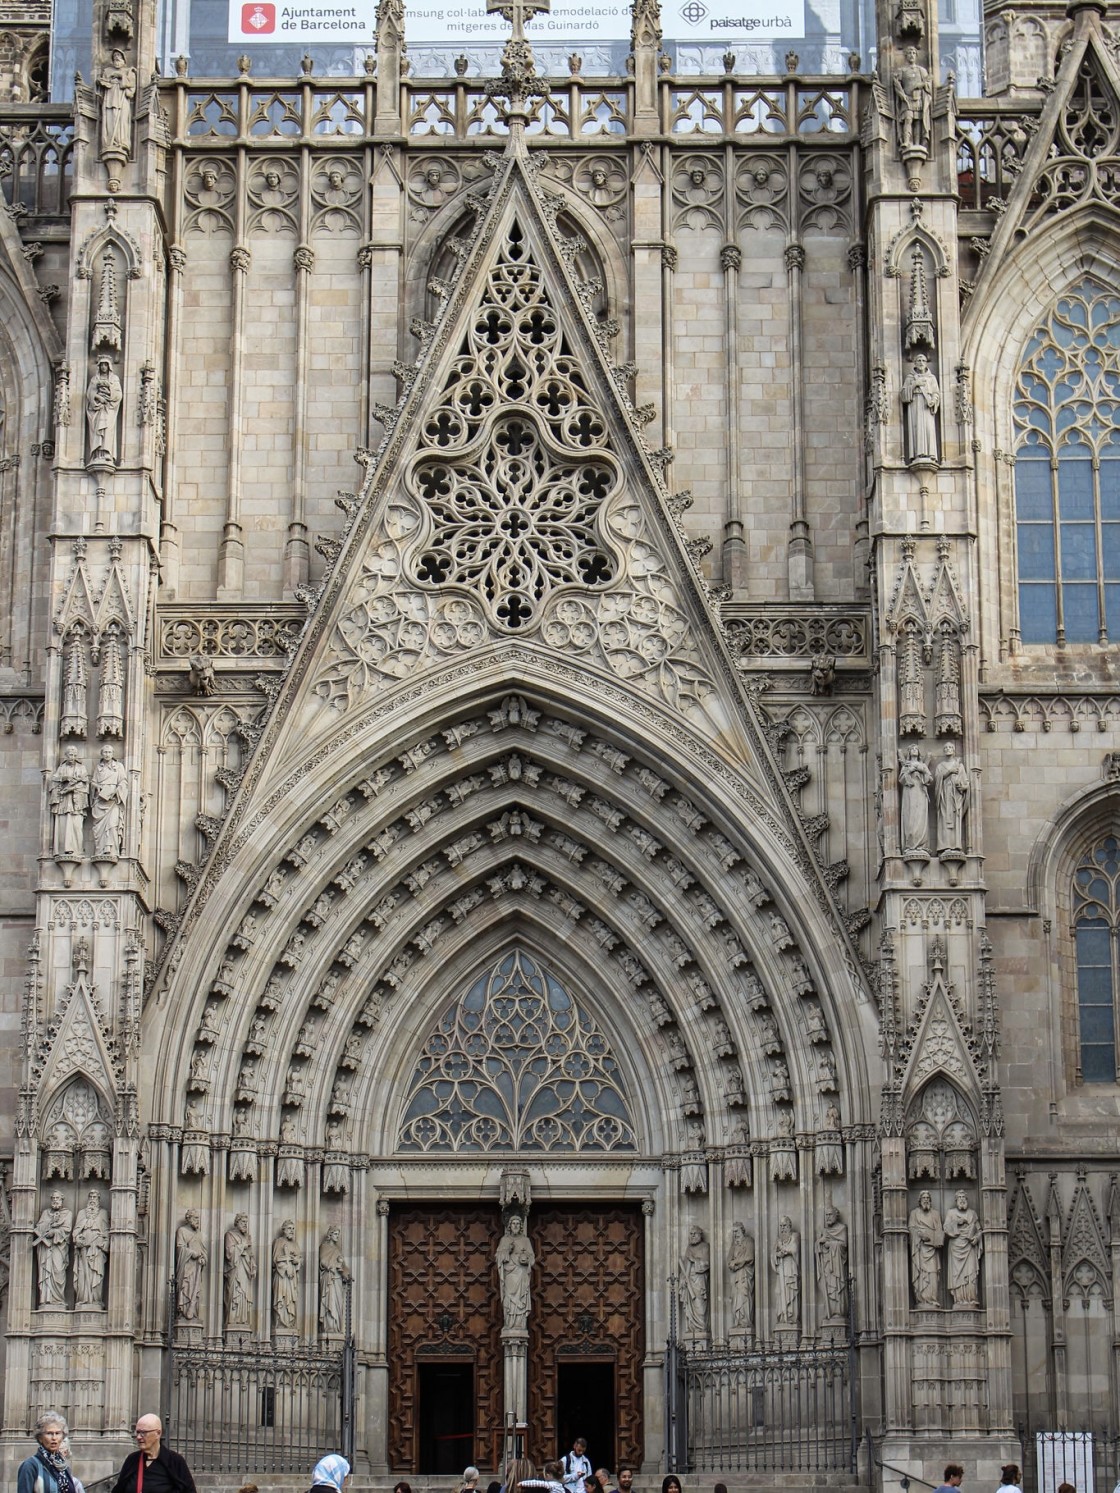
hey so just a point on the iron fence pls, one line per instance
(767, 1408)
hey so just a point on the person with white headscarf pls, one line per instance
(330, 1473)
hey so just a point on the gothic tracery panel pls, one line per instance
(515, 1064)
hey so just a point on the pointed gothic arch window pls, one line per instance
(515, 1064)
(1067, 470)
(1096, 923)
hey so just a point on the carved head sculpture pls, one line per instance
(831, 1215)
(785, 1227)
(209, 178)
(598, 176)
(56, 1202)
(335, 179)
(696, 1234)
(193, 1217)
(334, 1234)
(272, 180)
(961, 1201)
(107, 754)
(241, 1223)
(515, 1224)
(288, 1229)
(925, 1202)
(433, 176)
(104, 367)
(93, 1201)
(921, 362)
(697, 176)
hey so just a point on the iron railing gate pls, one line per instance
(764, 1409)
(244, 1406)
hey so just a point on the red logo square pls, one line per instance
(258, 19)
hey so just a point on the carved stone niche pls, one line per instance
(77, 1135)
(941, 1135)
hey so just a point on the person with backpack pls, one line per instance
(576, 1466)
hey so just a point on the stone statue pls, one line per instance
(914, 94)
(926, 1239)
(914, 779)
(515, 1259)
(963, 1249)
(110, 789)
(786, 1260)
(190, 1261)
(334, 1274)
(52, 1251)
(118, 85)
(287, 1261)
(921, 396)
(91, 1252)
(830, 1144)
(951, 789)
(740, 1261)
(103, 400)
(832, 1265)
(695, 1276)
(240, 1273)
(69, 800)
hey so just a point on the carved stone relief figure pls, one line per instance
(190, 1261)
(951, 790)
(110, 790)
(118, 89)
(740, 1262)
(515, 1259)
(240, 1273)
(914, 779)
(334, 1274)
(103, 402)
(914, 99)
(695, 1279)
(90, 1253)
(786, 1261)
(921, 399)
(926, 1239)
(287, 1261)
(830, 1144)
(783, 1151)
(52, 1251)
(831, 1252)
(965, 1242)
(69, 800)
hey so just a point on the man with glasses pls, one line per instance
(153, 1467)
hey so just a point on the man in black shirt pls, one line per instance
(153, 1467)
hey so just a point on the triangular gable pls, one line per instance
(1071, 160)
(1086, 1267)
(940, 1046)
(1027, 1255)
(75, 1042)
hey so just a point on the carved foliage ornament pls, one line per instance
(515, 519)
(515, 1064)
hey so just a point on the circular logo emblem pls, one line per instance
(694, 12)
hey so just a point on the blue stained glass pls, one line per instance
(1110, 486)
(1098, 1064)
(1038, 613)
(1079, 610)
(1079, 552)
(1110, 551)
(1033, 498)
(1075, 486)
(1112, 611)
(1096, 1022)
(1094, 943)
(1036, 552)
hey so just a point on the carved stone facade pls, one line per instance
(651, 826)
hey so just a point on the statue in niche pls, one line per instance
(786, 1260)
(334, 1275)
(921, 397)
(195, 1157)
(963, 1249)
(926, 1239)
(51, 1240)
(914, 94)
(914, 779)
(103, 401)
(830, 1144)
(118, 85)
(69, 800)
(190, 1261)
(737, 1167)
(515, 1259)
(287, 1261)
(90, 1253)
(109, 794)
(950, 786)
(695, 1278)
(783, 1151)
(740, 1262)
(832, 1265)
(240, 1273)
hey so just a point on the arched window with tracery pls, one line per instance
(1067, 470)
(1096, 919)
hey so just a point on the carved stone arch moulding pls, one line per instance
(366, 893)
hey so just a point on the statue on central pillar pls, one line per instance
(515, 1259)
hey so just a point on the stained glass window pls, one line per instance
(1096, 905)
(1067, 471)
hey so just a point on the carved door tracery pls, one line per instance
(588, 1303)
(442, 1295)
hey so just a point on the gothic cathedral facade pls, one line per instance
(561, 749)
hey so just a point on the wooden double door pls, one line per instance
(586, 1334)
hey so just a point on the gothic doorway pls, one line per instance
(587, 1330)
(586, 1334)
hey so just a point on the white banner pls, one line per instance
(277, 23)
